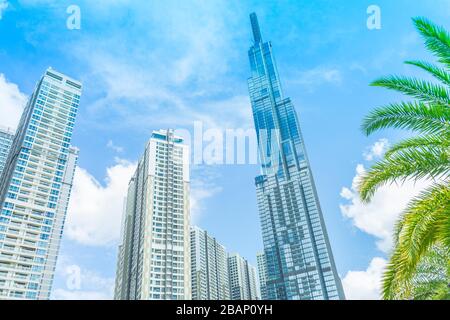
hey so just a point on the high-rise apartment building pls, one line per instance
(35, 188)
(209, 267)
(6, 139)
(297, 251)
(243, 279)
(262, 274)
(154, 258)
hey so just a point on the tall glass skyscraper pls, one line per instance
(298, 255)
(35, 188)
(154, 257)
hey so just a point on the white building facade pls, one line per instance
(209, 267)
(243, 279)
(35, 188)
(154, 256)
(262, 274)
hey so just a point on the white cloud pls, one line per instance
(365, 285)
(63, 294)
(376, 150)
(355, 66)
(81, 283)
(378, 217)
(404, 48)
(135, 93)
(114, 147)
(3, 5)
(177, 69)
(12, 102)
(203, 187)
(176, 72)
(320, 75)
(95, 211)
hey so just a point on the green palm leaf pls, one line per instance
(420, 143)
(420, 226)
(415, 116)
(439, 73)
(393, 287)
(422, 222)
(437, 39)
(430, 280)
(407, 165)
(425, 224)
(419, 89)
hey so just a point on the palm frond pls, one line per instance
(421, 143)
(429, 280)
(407, 165)
(422, 222)
(392, 287)
(415, 116)
(437, 39)
(439, 73)
(422, 90)
(432, 275)
(419, 228)
(416, 268)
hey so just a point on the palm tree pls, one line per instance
(425, 223)
(429, 281)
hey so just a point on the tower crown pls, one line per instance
(255, 28)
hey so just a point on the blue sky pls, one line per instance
(147, 65)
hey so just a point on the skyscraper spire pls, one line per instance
(255, 28)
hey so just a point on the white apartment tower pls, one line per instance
(154, 258)
(243, 279)
(35, 188)
(262, 274)
(209, 267)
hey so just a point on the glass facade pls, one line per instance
(35, 188)
(154, 260)
(299, 261)
(6, 139)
